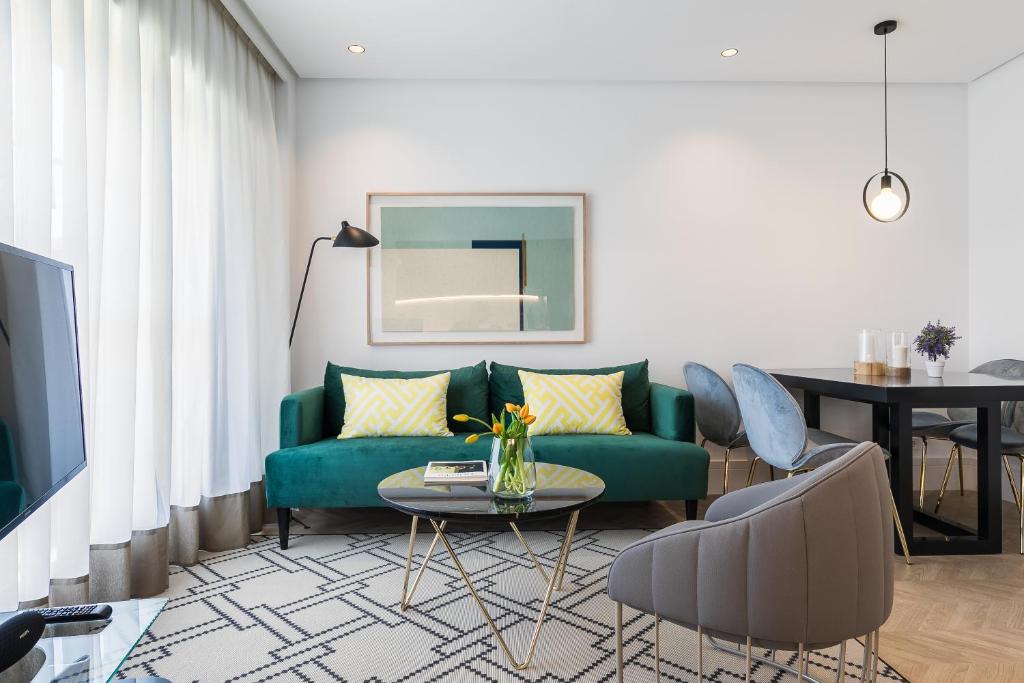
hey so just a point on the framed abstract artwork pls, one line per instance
(501, 268)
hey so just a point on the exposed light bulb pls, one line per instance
(886, 205)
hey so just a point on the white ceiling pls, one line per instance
(664, 40)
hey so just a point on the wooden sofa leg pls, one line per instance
(691, 509)
(284, 518)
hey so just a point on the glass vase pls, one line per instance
(513, 469)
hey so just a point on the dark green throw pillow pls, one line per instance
(636, 389)
(467, 393)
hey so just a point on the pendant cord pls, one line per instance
(885, 97)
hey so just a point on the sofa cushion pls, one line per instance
(505, 387)
(467, 393)
(345, 473)
(574, 404)
(376, 407)
(638, 467)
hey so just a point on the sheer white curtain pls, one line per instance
(138, 143)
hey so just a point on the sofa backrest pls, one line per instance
(474, 393)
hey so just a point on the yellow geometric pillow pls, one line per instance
(395, 407)
(575, 404)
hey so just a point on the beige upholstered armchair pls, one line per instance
(797, 564)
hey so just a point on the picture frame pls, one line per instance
(477, 268)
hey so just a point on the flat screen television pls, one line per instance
(42, 439)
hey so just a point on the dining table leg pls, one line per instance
(812, 409)
(990, 513)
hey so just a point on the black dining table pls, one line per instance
(892, 400)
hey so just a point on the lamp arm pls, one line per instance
(302, 291)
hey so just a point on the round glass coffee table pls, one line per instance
(560, 491)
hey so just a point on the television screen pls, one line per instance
(42, 441)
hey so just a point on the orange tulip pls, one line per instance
(472, 438)
(461, 417)
(496, 429)
(511, 407)
(524, 411)
(529, 419)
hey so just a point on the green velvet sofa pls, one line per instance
(314, 469)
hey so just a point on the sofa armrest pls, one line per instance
(672, 415)
(302, 415)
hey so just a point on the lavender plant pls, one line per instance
(936, 340)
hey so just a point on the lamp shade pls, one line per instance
(351, 236)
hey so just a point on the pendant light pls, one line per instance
(886, 205)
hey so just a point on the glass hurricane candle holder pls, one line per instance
(897, 354)
(870, 353)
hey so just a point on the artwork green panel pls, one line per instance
(546, 231)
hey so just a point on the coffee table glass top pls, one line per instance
(560, 490)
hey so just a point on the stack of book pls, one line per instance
(456, 472)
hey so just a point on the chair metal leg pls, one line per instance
(800, 661)
(618, 639)
(841, 669)
(866, 662)
(703, 441)
(725, 476)
(750, 472)
(657, 648)
(1021, 506)
(700, 654)
(780, 666)
(771, 472)
(924, 466)
(749, 671)
(1009, 476)
(899, 529)
(874, 655)
(945, 478)
(960, 470)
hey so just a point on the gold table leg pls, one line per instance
(556, 577)
(407, 594)
(536, 562)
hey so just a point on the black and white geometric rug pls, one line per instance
(326, 610)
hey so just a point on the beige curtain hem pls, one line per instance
(139, 568)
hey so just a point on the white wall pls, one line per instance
(996, 135)
(726, 219)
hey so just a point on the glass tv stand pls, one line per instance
(86, 652)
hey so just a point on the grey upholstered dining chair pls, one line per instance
(928, 425)
(779, 434)
(814, 570)
(1011, 440)
(718, 414)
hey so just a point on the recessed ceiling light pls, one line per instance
(359, 49)
(730, 52)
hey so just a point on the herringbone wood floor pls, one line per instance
(956, 618)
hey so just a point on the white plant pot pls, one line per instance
(935, 367)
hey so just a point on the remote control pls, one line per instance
(63, 615)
